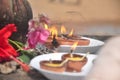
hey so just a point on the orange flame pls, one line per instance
(71, 32)
(74, 45)
(46, 26)
(53, 31)
(63, 29)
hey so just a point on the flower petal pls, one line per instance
(5, 33)
(43, 35)
(39, 35)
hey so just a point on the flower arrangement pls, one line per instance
(37, 34)
(19, 52)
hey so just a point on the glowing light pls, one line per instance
(63, 30)
(71, 32)
(74, 45)
(54, 31)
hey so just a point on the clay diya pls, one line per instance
(81, 42)
(65, 39)
(75, 62)
(69, 39)
(54, 65)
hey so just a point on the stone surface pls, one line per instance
(20, 75)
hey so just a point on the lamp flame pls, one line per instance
(71, 32)
(53, 31)
(74, 45)
(63, 29)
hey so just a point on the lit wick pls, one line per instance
(71, 51)
(55, 42)
(70, 35)
(63, 32)
(64, 36)
(73, 48)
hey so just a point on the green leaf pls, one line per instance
(24, 58)
(28, 53)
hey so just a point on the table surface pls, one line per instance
(35, 75)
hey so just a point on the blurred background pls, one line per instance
(87, 17)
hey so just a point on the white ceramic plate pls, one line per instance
(93, 47)
(65, 75)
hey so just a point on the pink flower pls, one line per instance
(36, 36)
(31, 24)
(37, 33)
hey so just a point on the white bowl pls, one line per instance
(93, 46)
(65, 75)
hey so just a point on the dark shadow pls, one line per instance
(35, 75)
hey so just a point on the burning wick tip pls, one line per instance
(71, 51)
(55, 42)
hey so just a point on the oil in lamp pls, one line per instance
(75, 61)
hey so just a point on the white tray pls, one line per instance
(65, 75)
(93, 47)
